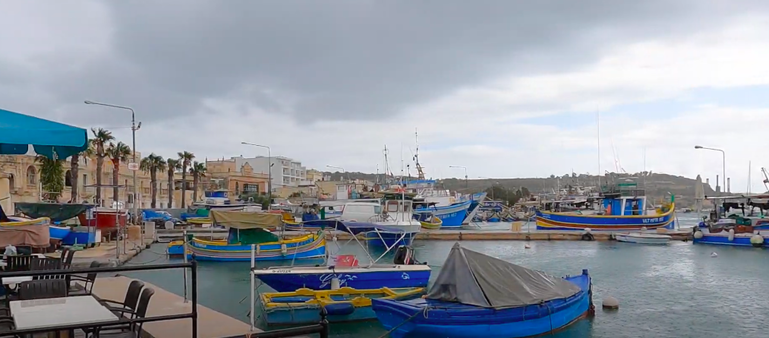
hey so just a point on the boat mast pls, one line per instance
(598, 132)
(420, 172)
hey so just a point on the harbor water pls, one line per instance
(677, 290)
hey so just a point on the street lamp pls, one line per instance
(461, 167)
(269, 170)
(134, 128)
(723, 162)
(335, 167)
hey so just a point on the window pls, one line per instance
(31, 175)
(251, 188)
(85, 180)
(237, 188)
(68, 178)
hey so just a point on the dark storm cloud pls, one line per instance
(348, 59)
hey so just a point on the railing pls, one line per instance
(192, 315)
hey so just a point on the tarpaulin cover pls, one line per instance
(472, 278)
(57, 212)
(18, 131)
(250, 236)
(246, 220)
(32, 235)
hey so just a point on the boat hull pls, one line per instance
(427, 318)
(475, 205)
(452, 216)
(57, 232)
(306, 247)
(722, 238)
(644, 239)
(388, 239)
(343, 305)
(559, 221)
(106, 220)
(319, 278)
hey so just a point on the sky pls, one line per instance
(504, 88)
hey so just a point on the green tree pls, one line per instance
(74, 171)
(99, 143)
(185, 158)
(152, 164)
(172, 165)
(51, 177)
(117, 152)
(197, 170)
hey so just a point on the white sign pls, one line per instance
(133, 166)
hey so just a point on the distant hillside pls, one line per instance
(657, 185)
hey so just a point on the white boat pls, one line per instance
(642, 238)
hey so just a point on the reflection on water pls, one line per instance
(665, 291)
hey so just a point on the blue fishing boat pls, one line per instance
(405, 272)
(476, 200)
(342, 305)
(623, 208)
(452, 215)
(476, 295)
(58, 232)
(248, 240)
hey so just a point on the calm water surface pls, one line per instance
(677, 290)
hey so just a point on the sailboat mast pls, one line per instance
(420, 173)
(598, 133)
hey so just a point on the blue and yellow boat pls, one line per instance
(623, 208)
(342, 305)
(247, 229)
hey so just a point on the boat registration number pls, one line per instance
(653, 220)
(280, 271)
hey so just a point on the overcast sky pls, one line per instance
(505, 88)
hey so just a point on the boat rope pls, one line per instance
(423, 312)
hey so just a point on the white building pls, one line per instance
(286, 172)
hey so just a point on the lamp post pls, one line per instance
(134, 128)
(340, 168)
(723, 162)
(269, 170)
(461, 167)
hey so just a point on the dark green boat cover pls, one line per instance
(250, 236)
(57, 212)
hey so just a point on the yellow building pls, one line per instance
(225, 175)
(314, 176)
(20, 182)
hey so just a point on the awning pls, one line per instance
(18, 131)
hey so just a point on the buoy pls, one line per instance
(610, 303)
(698, 235)
(757, 240)
(731, 235)
(527, 246)
(335, 283)
(283, 249)
(587, 230)
(713, 254)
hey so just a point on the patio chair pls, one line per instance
(131, 297)
(133, 330)
(18, 263)
(88, 282)
(46, 264)
(42, 289)
(67, 255)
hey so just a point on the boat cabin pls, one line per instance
(624, 199)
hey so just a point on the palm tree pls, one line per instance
(197, 170)
(172, 165)
(152, 164)
(117, 152)
(74, 167)
(51, 177)
(101, 137)
(186, 159)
